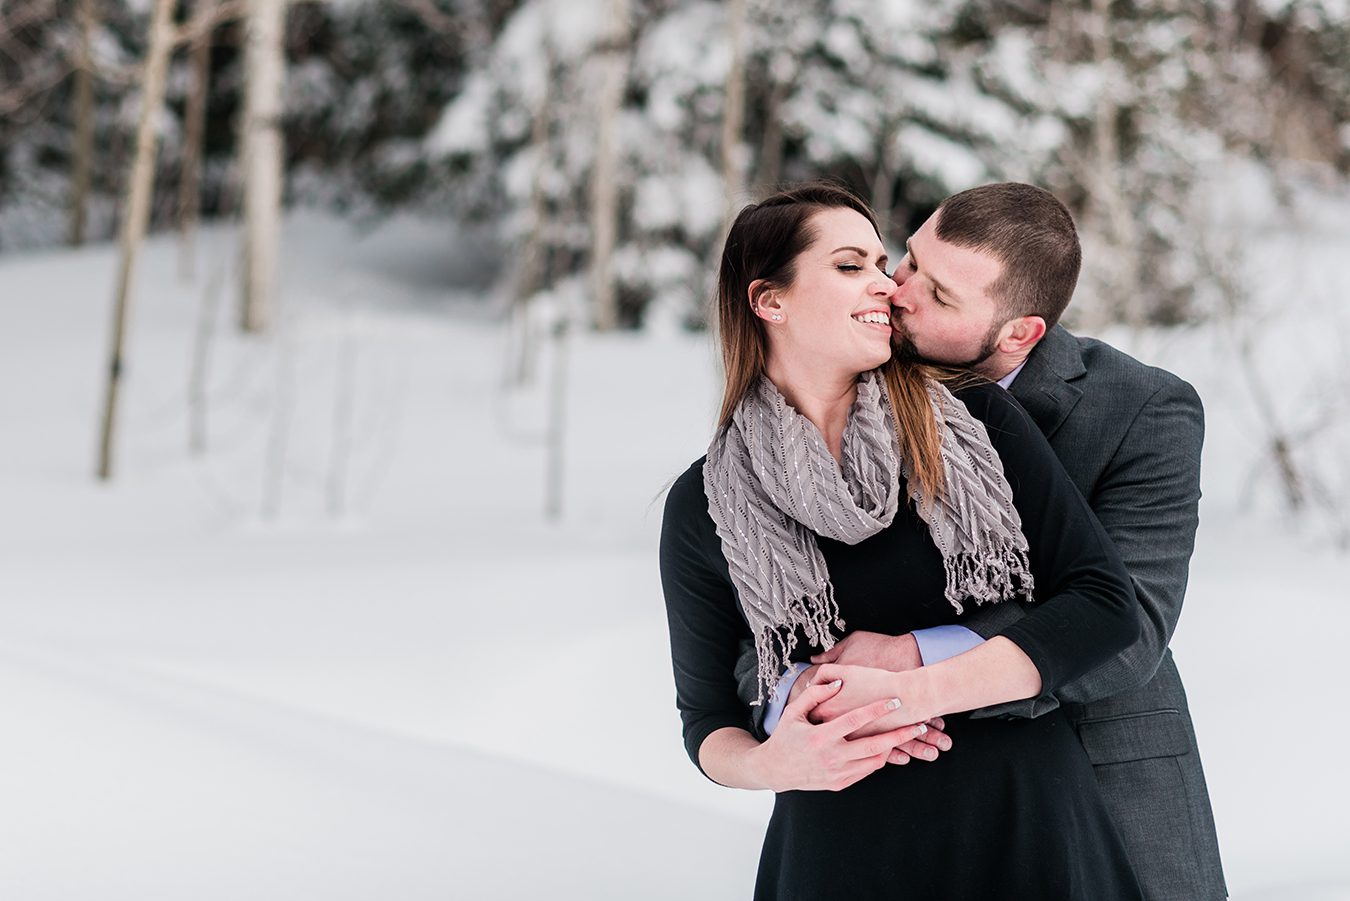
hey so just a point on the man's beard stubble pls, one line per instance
(906, 351)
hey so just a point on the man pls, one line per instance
(982, 286)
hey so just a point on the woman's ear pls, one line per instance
(764, 301)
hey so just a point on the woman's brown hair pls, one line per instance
(762, 245)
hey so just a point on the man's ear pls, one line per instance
(764, 301)
(1018, 336)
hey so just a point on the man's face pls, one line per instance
(942, 310)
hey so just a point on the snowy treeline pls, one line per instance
(522, 114)
(601, 145)
(1122, 109)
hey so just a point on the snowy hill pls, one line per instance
(407, 684)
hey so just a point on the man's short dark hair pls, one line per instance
(1030, 232)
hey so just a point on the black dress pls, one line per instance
(1012, 810)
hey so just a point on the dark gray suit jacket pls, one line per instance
(1129, 436)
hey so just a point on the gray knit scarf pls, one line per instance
(773, 486)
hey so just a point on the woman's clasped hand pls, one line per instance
(806, 756)
(842, 723)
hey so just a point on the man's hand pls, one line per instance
(897, 653)
(863, 686)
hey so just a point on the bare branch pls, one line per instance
(16, 96)
(206, 18)
(433, 17)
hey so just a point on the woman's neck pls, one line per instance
(823, 399)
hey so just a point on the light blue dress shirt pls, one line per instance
(935, 645)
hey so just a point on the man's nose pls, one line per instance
(901, 301)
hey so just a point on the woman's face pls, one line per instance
(836, 315)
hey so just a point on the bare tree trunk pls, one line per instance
(194, 130)
(137, 212)
(521, 358)
(82, 155)
(283, 410)
(344, 418)
(733, 114)
(265, 69)
(771, 148)
(555, 432)
(1108, 193)
(207, 317)
(884, 178)
(612, 66)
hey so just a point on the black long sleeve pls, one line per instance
(1085, 611)
(704, 616)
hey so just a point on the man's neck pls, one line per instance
(999, 364)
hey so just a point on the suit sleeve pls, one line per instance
(704, 616)
(1084, 608)
(1147, 500)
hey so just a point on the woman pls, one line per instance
(793, 532)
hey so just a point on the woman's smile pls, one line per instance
(878, 320)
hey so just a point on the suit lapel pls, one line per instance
(1045, 385)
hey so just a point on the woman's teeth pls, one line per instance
(878, 318)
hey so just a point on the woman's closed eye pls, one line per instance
(855, 267)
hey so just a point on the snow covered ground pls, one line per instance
(406, 683)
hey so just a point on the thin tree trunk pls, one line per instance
(265, 70)
(613, 76)
(82, 155)
(283, 409)
(733, 115)
(208, 315)
(520, 364)
(884, 178)
(194, 130)
(771, 147)
(344, 418)
(137, 212)
(1108, 192)
(555, 432)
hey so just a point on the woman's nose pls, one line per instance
(883, 286)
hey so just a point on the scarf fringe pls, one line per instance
(774, 644)
(1003, 574)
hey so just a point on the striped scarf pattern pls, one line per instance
(773, 486)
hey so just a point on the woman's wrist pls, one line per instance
(918, 694)
(759, 770)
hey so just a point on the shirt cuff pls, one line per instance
(774, 711)
(943, 642)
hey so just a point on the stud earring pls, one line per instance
(777, 317)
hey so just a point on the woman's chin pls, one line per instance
(878, 359)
